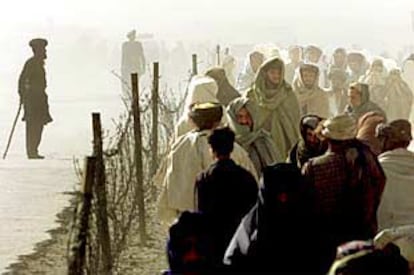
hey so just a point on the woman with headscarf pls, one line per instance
(226, 92)
(309, 146)
(398, 97)
(312, 99)
(376, 78)
(277, 106)
(270, 238)
(251, 65)
(256, 141)
(359, 102)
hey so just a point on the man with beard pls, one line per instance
(312, 99)
(32, 86)
(295, 53)
(338, 60)
(256, 141)
(313, 55)
(310, 145)
(277, 106)
(359, 102)
(357, 65)
(338, 90)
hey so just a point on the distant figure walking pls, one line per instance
(133, 60)
(32, 86)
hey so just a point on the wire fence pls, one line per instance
(117, 185)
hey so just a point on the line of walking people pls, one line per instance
(272, 181)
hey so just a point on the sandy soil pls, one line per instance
(50, 255)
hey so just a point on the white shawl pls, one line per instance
(397, 203)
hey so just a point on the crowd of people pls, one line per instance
(298, 168)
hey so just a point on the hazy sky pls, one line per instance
(369, 23)
(174, 14)
(96, 10)
(85, 38)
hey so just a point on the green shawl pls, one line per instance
(279, 114)
(257, 142)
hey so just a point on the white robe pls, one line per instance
(408, 76)
(189, 156)
(408, 73)
(403, 237)
(202, 89)
(397, 203)
(246, 78)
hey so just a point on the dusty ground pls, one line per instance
(50, 255)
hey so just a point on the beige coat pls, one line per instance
(189, 156)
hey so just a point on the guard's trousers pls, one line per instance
(34, 131)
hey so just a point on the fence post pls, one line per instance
(154, 141)
(138, 159)
(100, 189)
(194, 70)
(78, 249)
(218, 55)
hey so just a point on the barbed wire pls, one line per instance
(180, 105)
(120, 173)
(145, 99)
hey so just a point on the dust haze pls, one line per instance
(85, 40)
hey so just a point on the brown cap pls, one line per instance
(205, 113)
